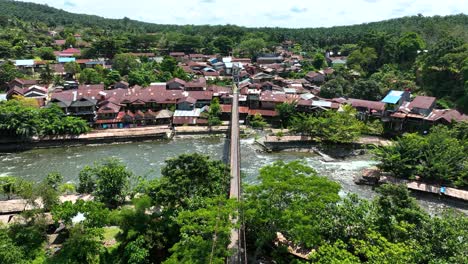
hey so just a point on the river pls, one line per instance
(147, 158)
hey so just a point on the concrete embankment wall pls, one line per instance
(95, 137)
(334, 150)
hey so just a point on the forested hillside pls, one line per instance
(430, 28)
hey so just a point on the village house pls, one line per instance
(395, 99)
(315, 77)
(270, 59)
(179, 56)
(176, 84)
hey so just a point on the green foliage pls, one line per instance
(45, 53)
(7, 186)
(169, 64)
(112, 77)
(72, 68)
(439, 157)
(286, 112)
(330, 126)
(214, 113)
(367, 90)
(252, 47)
(9, 252)
(189, 176)
(84, 246)
(124, 63)
(224, 44)
(319, 61)
(257, 121)
(335, 88)
(46, 75)
(95, 213)
(19, 119)
(363, 60)
(8, 73)
(290, 199)
(205, 233)
(29, 237)
(109, 182)
(90, 76)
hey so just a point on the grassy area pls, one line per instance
(111, 232)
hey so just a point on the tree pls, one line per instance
(46, 75)
(124, 63)
(45, 53)
(83, 246)
(257, 121)
(438, 157)
(5, 49)
(214, 113)
(9, 252)
(70, 41)
(408, 45)
(319, 61)
(252, 47)
(112, 77)
(58, 81)
(367, 90)
(335, 88)
(189, 176)
(109, 182)
(169, 64)
(90, 76)
(331, 126)
(8, 186)
(95, 214)
(8, 73)
(286, 112)
(72, 68)
(290, 198)
(141, 77)
(205, 233)
(224, 44)
(363, 60)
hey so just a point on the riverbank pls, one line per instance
(111, 136)
(11, 208)
(328, 151)
(374, 177)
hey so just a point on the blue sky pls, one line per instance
(260, 13)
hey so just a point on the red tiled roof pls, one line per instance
(268, 96)
(371, 105)
(177, 80)
(188, 99)
(71, 51)
(177, 54)
(205, 73)
(201, 95)
(82, 61)
(423, 102)
(182, 120)
(60, 42)
(447, 115)
(200, 82)
(263, 112)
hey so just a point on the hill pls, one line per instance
(430, 28)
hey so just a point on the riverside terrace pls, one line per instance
(186, 103)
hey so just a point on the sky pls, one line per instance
(260, 13)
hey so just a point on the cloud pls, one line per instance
(207, 1)
(296, 9)
(69, 3)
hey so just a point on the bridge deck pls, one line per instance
(235, 187)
